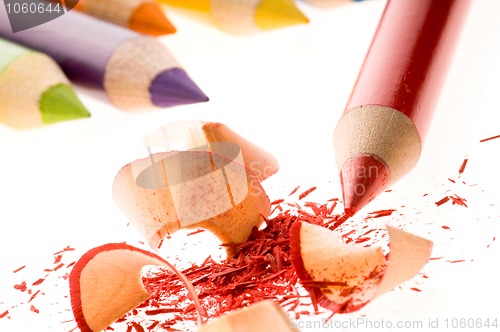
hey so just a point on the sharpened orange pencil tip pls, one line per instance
(149, 18)
(363, 177)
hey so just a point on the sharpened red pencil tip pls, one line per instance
(363, 177)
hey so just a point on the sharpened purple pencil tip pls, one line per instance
(174, 87)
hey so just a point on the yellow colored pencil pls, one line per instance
(243, 16)
(34, 90)
(144, 16)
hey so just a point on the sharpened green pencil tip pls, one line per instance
(60, 103)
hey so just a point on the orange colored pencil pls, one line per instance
(144, 16)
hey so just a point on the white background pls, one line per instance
(284, 90)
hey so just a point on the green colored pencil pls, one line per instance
(34, 90)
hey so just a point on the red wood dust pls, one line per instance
(260, 269)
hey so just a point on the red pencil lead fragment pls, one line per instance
(492, 240)
(196, 232)
(362, 240)
(458, 200)
(294, 191)
(22, 286)
(38, 282)
(443, 200)
(462, 167)
(33, 296)
(138, 327)
(381, 213)
(57, 259)
(152, 326)
(68, 248)
(19, 269)
(489, 138)
(307, 192)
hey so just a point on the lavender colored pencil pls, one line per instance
(135, 70)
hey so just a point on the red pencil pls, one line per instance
(379, 137)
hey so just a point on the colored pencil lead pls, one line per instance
(363, 178)
(144, 16)
(236, 16)
(174, 87)
(60, 103)
(148, 18)
(34, 90)
(135, 71)
(274, 14)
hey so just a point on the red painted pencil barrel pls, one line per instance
(409, 57)
(393, 100)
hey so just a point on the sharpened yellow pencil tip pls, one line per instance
(274, 14)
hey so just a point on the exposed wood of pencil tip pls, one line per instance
(247, 16)
(236, 17)
(114, 11)
(132, 68)
(381, 131)
(28, 77)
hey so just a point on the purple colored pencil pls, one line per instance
(135, 70)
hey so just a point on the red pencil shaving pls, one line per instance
(344, 277)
